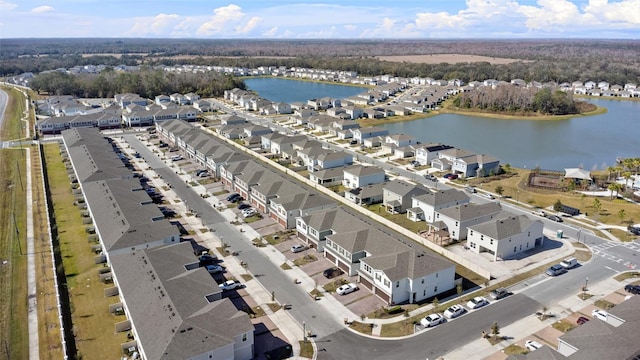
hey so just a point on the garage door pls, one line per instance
(365, 282)
(330, 257)
(343, 266)
(382, 295)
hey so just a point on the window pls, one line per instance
(424, 292)
(514, 249)
(481, 237)
(471, 233)
(422, 282)
(244, 337)
(435, 289)
(491, 242)
(397, 283)
(386, 283)
(529, 234)
(436, 275)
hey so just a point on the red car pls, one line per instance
(582, 320)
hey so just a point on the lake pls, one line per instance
(591, 142)
(290, 91)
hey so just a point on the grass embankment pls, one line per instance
(93, 324)
(13, 247)
(515, 188)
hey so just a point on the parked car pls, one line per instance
(230, 285)
(214, 269)
(532, 345)
(447, 176)
(176, 157)
(633, 289)
(230, 197)
(298, 248)
(477, 302)
(488, 196)
(453, 177)
(569, 263)
(499, 293)
(454, 311)
(353, 142)
(539, 213)
(634, 229)
(249, 212)
(137, 155)
(555, 218)
(415, 163)
(206, 259)
(243, 206)
(347, 289)
(330, 273)
(430, 177)
(432, 320)
(582, 319)
(237, 199)
(556, 270)
(470, 189)
(163, 145)
(600, 314)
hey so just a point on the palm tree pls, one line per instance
(611, 170)
(626, 175)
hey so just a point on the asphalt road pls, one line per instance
(431, 343)
(337, 343)
(303, 309)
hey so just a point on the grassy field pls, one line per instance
(515, 188)
(13, 262)
(93, 324)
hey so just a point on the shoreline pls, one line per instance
(446, 109)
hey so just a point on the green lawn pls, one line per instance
(93, 324)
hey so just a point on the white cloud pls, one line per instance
(250, 25)
(547, 17)
(7, 6)
(161, 24)
(42, 9)
(224, 18)
(350, 27)
(271, 32)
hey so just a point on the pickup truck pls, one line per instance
(569, 263)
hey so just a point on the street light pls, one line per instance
(304, 332)
(517, 196)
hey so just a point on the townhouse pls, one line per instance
(456, 219)
(358, 176)
(424, 206)
(506, 236)
(398, 195)
(173, 307)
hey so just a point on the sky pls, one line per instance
(322, 19)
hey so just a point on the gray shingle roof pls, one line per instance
(503, 227)
(167, 303)
(470, 211)
(447, 196)
(404, 188)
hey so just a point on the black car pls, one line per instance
(555, 218)
(233, 196)
(634, 289)
(243, 206)
(332, 272)
(206, 259)
(634, 229)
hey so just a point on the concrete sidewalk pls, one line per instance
(481, 348)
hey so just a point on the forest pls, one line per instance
(146, 82)
(614, 61)
(518, 100)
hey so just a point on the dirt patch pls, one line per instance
(449, 58)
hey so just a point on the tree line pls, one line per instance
(518, 100)
(147, 83)
(614, 61)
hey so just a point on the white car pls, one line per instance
(229, 285)
(432, 320)
(176, 157)
(214, 269)
(454, 311)
(477, 302)
(532, 345)
(298, 248)
(347, 289)
(600, 314)
(249, 212)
